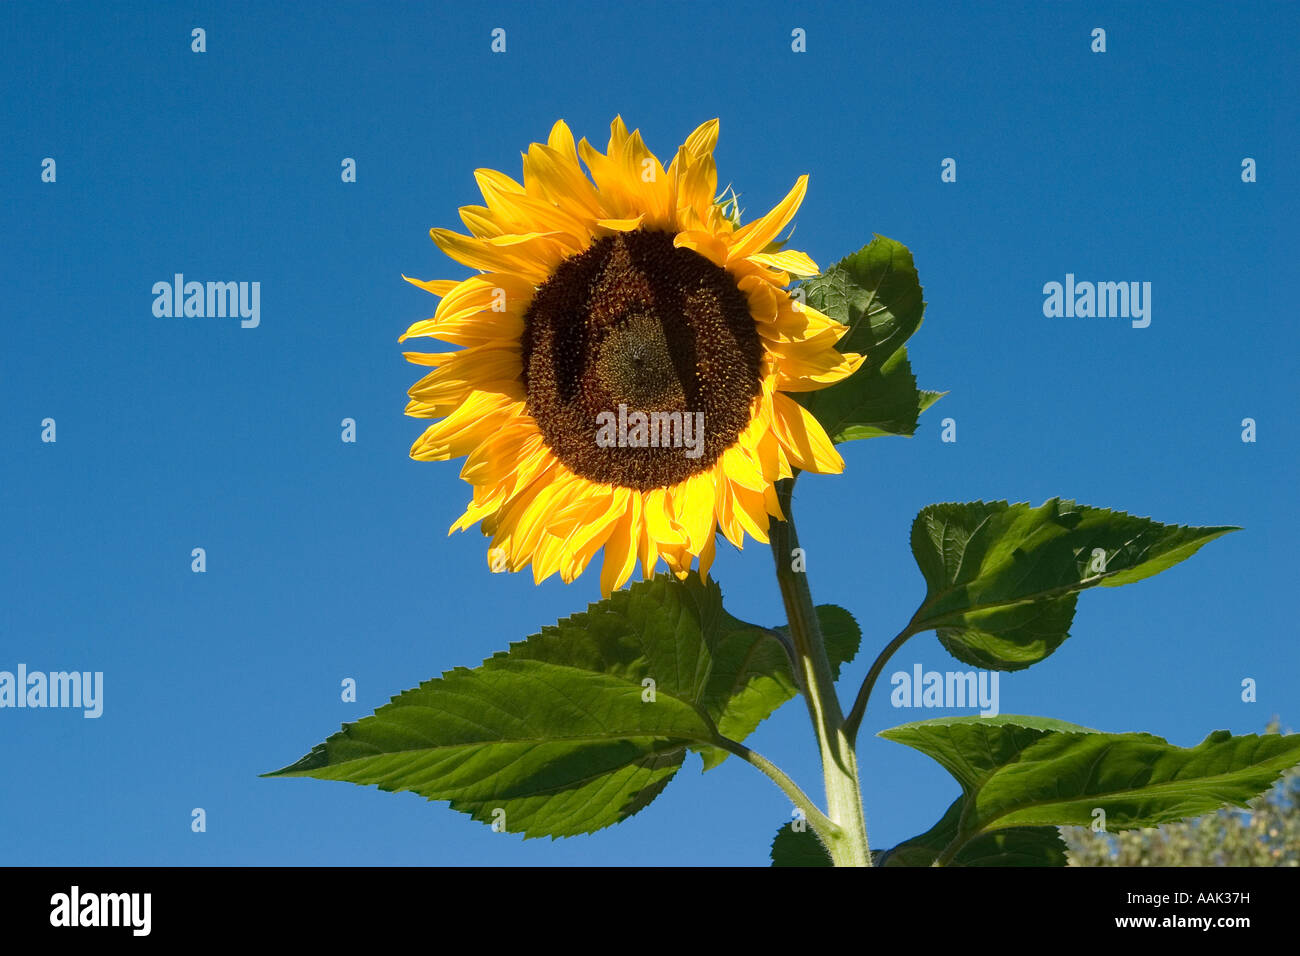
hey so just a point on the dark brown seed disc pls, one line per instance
(659, 331)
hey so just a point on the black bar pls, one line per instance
(439, 906)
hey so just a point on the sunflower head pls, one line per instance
(627, 353)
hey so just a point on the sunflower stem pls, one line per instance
(849, 846)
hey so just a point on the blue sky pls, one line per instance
(328, 560)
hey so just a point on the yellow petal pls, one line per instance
(790, 260)
(476, 419)
(495, 460)
(648, 182)
(750, 511)
(429, 358)
(695, 185)
(647, 546)
(693, 502)
(607, 174)
(497, 189)
(657, 511)
(481, 223)
(741, 469)
(561, 140)
(617, 136)
(620, 549)
(756, 236)
(547, 558)
(619, 225)
(588, 538)
(532, 255)
(438, 287)
(731, 528)
(798, 374)
(803, 437)
(479, 310)
(764, 305)
(707, 555)
(562, 181)
(703, 140)
(706, 244)
(479, 368)
(796, 321)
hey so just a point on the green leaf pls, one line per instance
(501, 737)
(677, 634)
(877, 294)
(1014, 846)
(971, 747)
(798, 848)
(560, 750)
(1002, 579)
(881, 401)
(840, 634)
(1031, 772)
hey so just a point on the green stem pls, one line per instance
(854, 720)
(849, 846)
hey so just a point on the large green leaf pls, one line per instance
(514, 734)
(971, 748)
(1027, 772)
(1002, 579)
(1013, 846)
(876, 293)
(677, 634)
(560, 750)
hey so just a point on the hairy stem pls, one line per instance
(847, 847)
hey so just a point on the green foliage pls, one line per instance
(1034, 772)
(558, 750)
(1002, 579)
(677, 634)
(877, 294)
(1266, 834)
(582, 725)
(1012, 846)
(793, 847)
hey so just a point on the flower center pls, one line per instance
(635, 363)
(641, 361)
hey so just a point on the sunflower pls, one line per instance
(628, 354)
